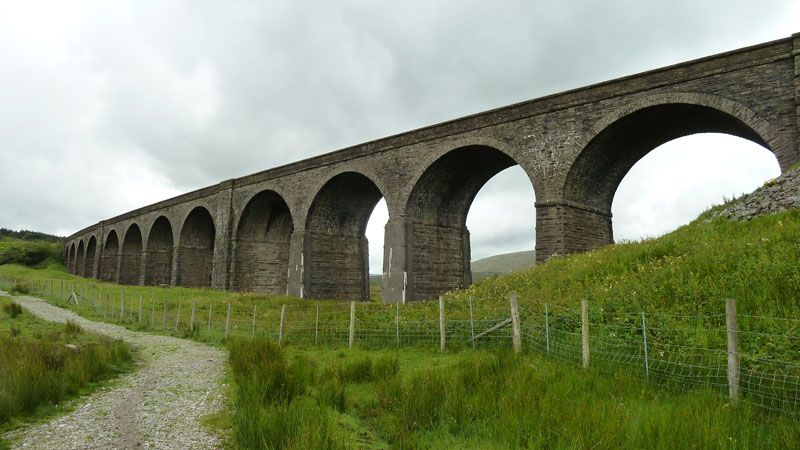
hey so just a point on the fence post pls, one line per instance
(153, 312)
(73, 288)
(316, 327)
(547, 328)
(253, 334)
(140, 308)
(105, 309)
(101, 295)
(164, 326)
(644, 336)
(194, 310)
(92, 297)
(516, 337)
(471, 324)
(585, 332)
(733, 350)
(228, 321)
(122, 307)
(178, 316)
(61, 291)
(280, 332)
(210, 308)
(442, 333)
(352, 324)
(397, 322)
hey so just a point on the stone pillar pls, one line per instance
(796, 53)
(175, 278)
(298, 280)
(564, 227)
(221, 267)
(143, 265)
(396, 260)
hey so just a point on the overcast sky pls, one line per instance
(108, 106)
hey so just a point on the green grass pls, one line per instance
(44, 363)
(416, 398)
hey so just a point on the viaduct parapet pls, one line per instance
(299, 229)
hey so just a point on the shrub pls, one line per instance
(12, 309)
(20, 288)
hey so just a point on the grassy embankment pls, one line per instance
(42, 364)
(414, 398)
(685, 274)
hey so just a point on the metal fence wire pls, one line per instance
(748, 358)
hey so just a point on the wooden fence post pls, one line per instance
(280, 333)
(397, 322)
(228, 321)
(194, 310)
(61, 291)
(316, 327)
(178, 316)
(210, 308)
(733, 350)
(442, 333)
(165, 314)
(471, 323)
(105, 309)
(122, 307)
(585, 332)
(517, 335)
(140, 308)
(253, 334)
(644, 336)
(352, 324)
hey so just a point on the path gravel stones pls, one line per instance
(159, 406)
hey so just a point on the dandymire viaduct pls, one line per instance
(299, 229)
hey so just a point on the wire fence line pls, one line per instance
(748, 358)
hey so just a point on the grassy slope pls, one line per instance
(39, 371)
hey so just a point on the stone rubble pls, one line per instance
(774, 196)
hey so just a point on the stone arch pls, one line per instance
(622, 138)
(437, 208)
(158, 257)
(91, 253)
(71, 259)
(130, 266)
(80, 259)
(261, 247)
(196, 249)
(110, 261)
(338, 255)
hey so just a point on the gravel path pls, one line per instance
(158, 406)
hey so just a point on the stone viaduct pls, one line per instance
(298, 229)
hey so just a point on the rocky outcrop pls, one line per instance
(774, 196)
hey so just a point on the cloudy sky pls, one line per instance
(107, 106)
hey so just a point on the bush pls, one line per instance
(12, 309)
(20, 288)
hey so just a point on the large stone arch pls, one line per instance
(436, 244)
(91, 253)
(196, 249)
(622, 138)
(110, 261)
(336, 248)
(80, 259)
(130, 265)
(261, 246)
(71, 259)
(158, 256)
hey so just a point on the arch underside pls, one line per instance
(109, 267)
(91, 250)
(437, 211)
(338, 262)
(599, 169)
(158, 258)
(262, 245)
(80, 259)
(196, 252)
(130, 265)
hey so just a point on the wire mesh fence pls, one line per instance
(678, 352)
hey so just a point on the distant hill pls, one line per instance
(502, 264)
(491, 266)
(26, 235)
